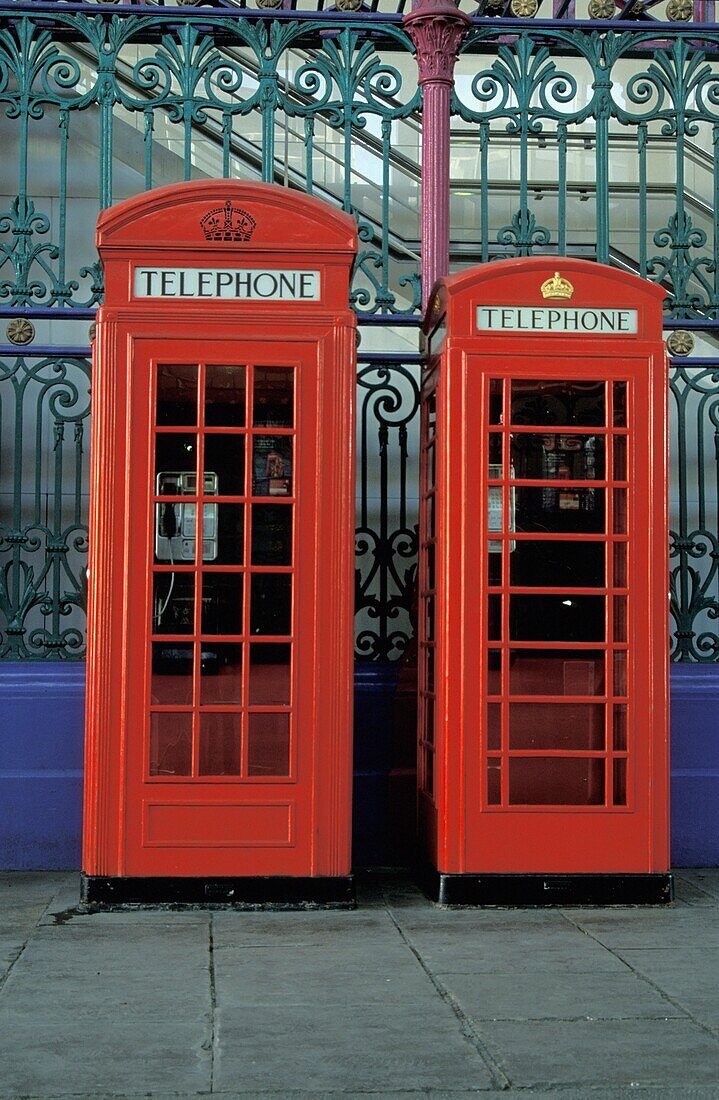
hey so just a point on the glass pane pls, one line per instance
(271, 534)
(620, 457)
(429, 771)
(270, 679)
(431, 553)
(542, 781)
(496, 390)
(431, 415)
(268, 744)
(220, 736)
(620, 672)
(222, 603)
(272, 466)
(429, 668)
(271, 603)
(550, 564)
(557, 457)
(431, 467)
(556, 618)
(494, 623)
(620, 404)
(620, 782)
(429, 619)
(175, 458)
(170, 744)
(225, 396)
(431, 528)
(175, 531)
(494, 672)
(273, 397)
(221, 673)
(620, 727)
(230, 533)
(171, 674)
(565, 510)
(494, 726)
(620, 511)
(620, 564)
(173, 603)
(494, 781)
(176, 394)
(494, 563)
(620, 618)
(573, 726)
(556, 672)
(225, 460)
(557, 402)
(496, 441)
(429, 719)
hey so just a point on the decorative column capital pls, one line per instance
(436, 28)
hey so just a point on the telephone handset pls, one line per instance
(175, 521)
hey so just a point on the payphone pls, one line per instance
(218, 761)
(543, 634)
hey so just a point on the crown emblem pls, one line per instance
(557, 287)
(228, 223)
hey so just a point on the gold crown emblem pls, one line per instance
(228, 223)
(557, 287)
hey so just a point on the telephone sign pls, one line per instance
(220, 659)
(543, 587)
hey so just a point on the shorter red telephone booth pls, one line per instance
(219, 713)
(543, 630)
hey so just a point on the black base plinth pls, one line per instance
(536, 890)
(277, 892)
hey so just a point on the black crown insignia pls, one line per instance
(228, 223)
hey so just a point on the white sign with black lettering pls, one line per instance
(550, 319)
(240, 284)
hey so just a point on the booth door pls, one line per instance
(220, 597)
(560, 755)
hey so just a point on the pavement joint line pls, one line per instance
(706, 1028)
(211, 1043)
(500, 1079)
(35, 928)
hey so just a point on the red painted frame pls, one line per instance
(218, 825)
(461, 832)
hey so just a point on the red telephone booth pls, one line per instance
(219, 718)
(543, 587)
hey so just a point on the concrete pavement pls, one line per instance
(397, 999)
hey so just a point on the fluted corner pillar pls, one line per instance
(436, 28)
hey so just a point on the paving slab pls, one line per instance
(657, 1052)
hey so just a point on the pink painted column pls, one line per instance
(436, 28)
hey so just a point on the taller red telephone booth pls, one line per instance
(219, 713)
(543, 625)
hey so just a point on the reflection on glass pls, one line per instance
(494, 781)
(221, 603)
(496, 440)
(556, 618)
(556, 672)
(551, 509)
(173, 603)
(557, 402)
(620, 511)
(271, 534)
(170, 744)
(271, 603)
(557, 457)
(620, 782)
(273, 397)
(431, 415)
(496, 391)
(573, 726)
(620, 618)
(620, 404)
(270, 682)
(268, 744)
(175, 455)
(620, 457)
(220, 743)
(171, 683)
(494, 726)
(225, 393)
(620, 672)
(494, 671)
(230, 533)
(620, 564)
(225, 454)
(558, 781)
(221, 673)
(557, 564)
(272, 466)
(176, 394)
(619, 719)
